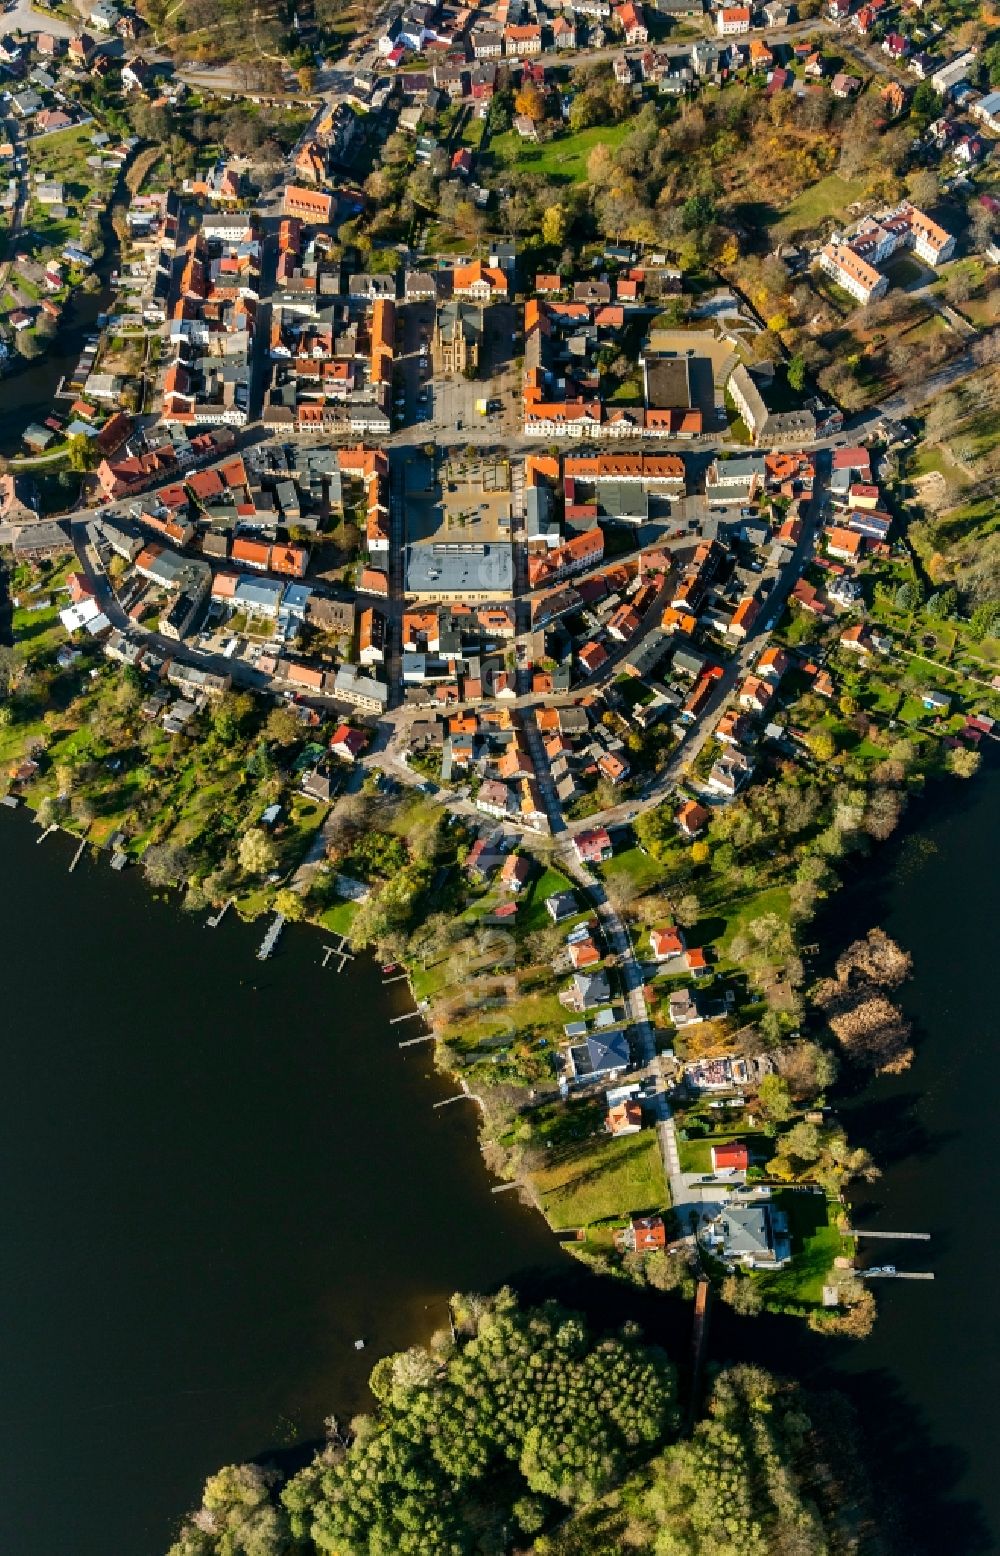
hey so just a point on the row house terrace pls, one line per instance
(370, 467)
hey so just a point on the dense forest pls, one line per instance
(520, 1430)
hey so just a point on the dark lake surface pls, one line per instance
(217, 1174)
(934, 1357)
(927, 1381)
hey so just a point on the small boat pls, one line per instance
(359, 1345)
(391, 968)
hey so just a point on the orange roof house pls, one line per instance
(252, 553)
(666, 943)
(846, 543)
(292, 560)
(625, 1118)
(481, 282)
(692, 818)
(646, 1234)
(312, 205)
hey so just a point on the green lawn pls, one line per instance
(532, 913)
(339, 918)
(564, 158)
(816, 1242)
(829, 197)
(738, 915)
(641, 869)
(696, 1155)
(601, 1179)
(902, 271)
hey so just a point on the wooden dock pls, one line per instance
(699, 1334)
(271, 938)
(399, 978)
(45, 834)
(339, 951)
(504, 1188)
(460, 1096)
(410, 1042)
(913, 1237)
(215, 919)
(407, 1015)
(896, 1274)
(79, 854)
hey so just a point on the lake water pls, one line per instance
(216, 1174)
(934, 1359)
(926, 1382)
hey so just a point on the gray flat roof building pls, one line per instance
(461, 570)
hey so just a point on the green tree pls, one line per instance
(926, 102)
(775, 1098)
(697, 213)
(238, 1517)
(166, 864)
(797, 372)
(743, 1294)
(526, 1406)
(290, 905)
(283, 727)
(822, 744)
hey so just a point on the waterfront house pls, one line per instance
(754, 1236)
(646, 1234)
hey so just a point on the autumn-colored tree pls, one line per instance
(554, 225)
(530, 101)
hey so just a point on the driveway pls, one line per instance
(26, 19)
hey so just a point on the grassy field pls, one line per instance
(829, 197)
(696, 1155)
(532, 913)
(631, 864)
(603, 1179)
(816, 1242)
(738, 915)
(902, 270)
(563, 159)
(339, 918)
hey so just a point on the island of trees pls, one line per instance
(520, 1430)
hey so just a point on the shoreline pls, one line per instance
(778, 1346)
(860, 1080)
